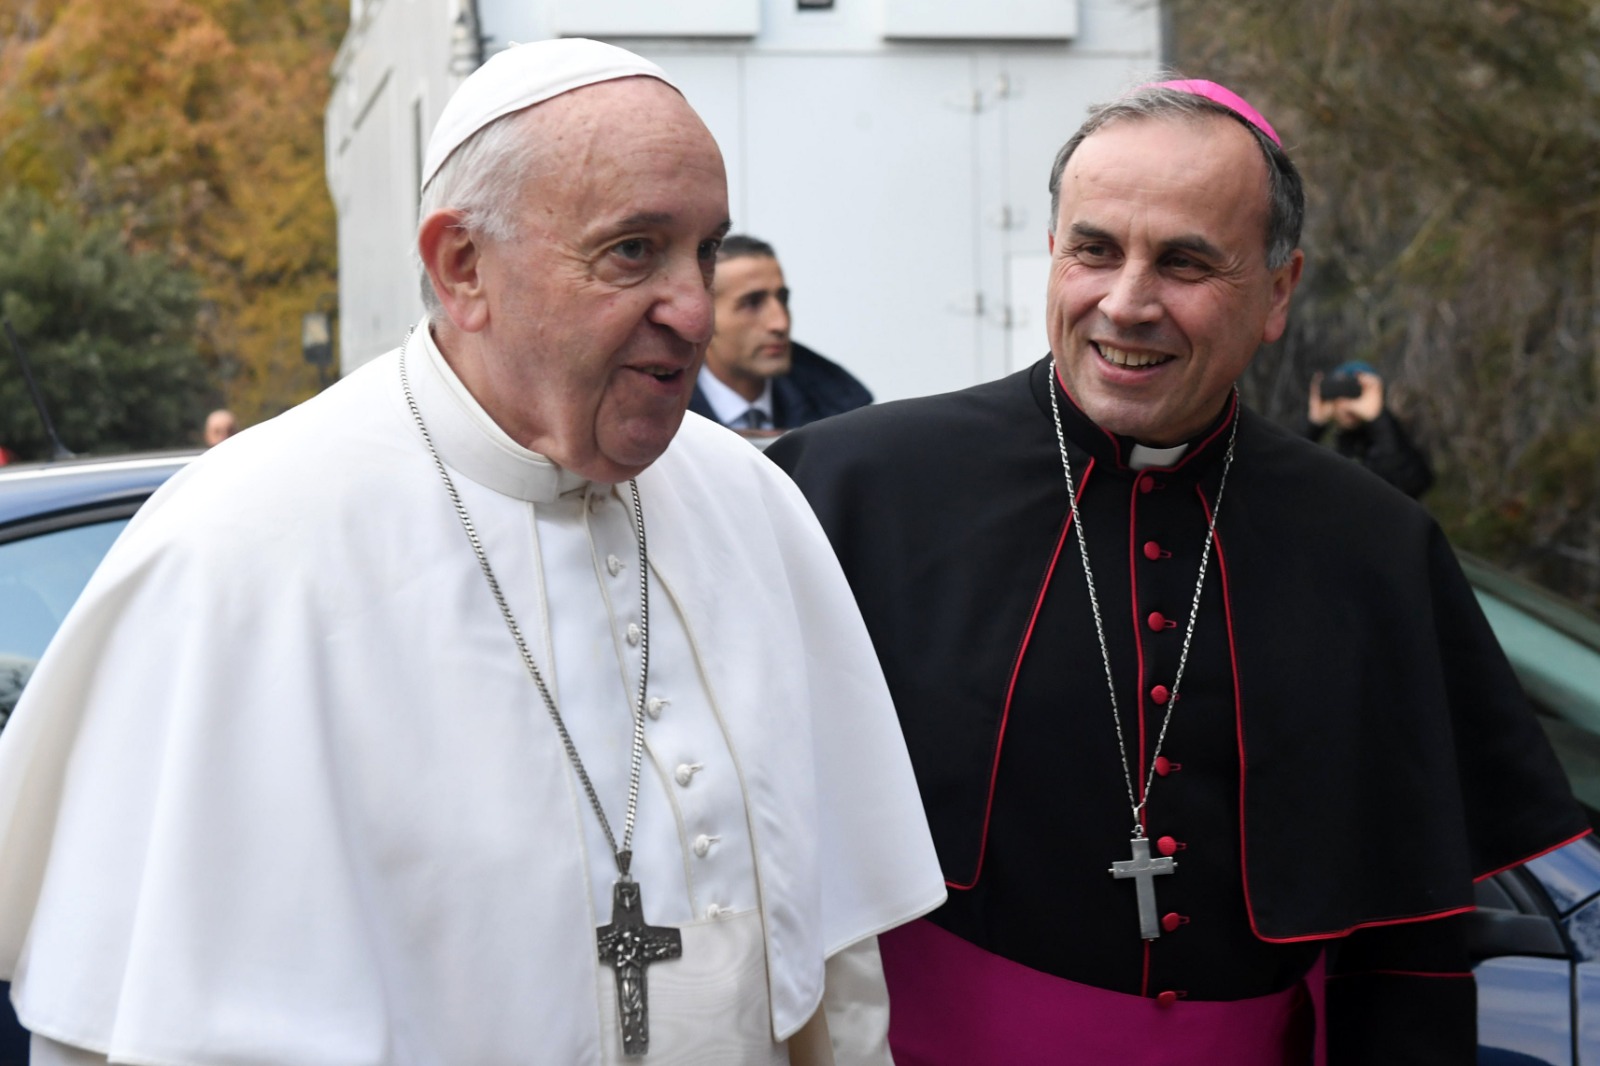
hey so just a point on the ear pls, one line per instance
(452, 258)
(1050, 241)
(1284, 280)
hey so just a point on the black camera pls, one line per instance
(1340, 386)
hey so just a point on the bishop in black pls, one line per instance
(1237, 651)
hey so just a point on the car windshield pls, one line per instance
(40, 577)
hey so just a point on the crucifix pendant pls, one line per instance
(629, 945)
(1144, 870)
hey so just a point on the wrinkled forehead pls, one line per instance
(1203, 168)
(626, 159)
(1166, 149)
(583, 135)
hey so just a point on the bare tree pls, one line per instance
(1451, 150)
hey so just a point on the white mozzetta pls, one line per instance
(282, 762)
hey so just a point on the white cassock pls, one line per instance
(282, 792)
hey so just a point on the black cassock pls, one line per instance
(1350, 748)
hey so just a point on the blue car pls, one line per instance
(56, 522)
(1537, 929)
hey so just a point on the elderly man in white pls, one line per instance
(454, 716)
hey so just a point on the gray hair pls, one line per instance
(482, 180)
(1286, 208)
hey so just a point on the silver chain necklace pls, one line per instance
(1141, 867)
(628, 944)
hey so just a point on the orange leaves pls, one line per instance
(197, 126)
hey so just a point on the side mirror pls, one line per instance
(1494, 933)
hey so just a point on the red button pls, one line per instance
(1152, 550)
(1146, 483)
(1166, 999)
(1157, 620)
(1160, 694)
(1172, 919)
(1169, 846)
(1165, 766)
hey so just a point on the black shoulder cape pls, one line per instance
(1387, 754)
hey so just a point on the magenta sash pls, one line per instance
(954, 1004)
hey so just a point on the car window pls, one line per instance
(40, 577)
(1554, 646)
(1578, 751)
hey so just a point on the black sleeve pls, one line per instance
(1402, 995)
(1392, 456)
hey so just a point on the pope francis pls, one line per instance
(483, 709)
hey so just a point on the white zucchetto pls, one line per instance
(524, 75)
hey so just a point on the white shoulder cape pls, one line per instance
(258, 804)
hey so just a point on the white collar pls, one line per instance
(469, 440)
(1142, 457)
(728, 405)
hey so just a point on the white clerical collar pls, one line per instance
(469, 440)
(1142, 457)
(729, 406)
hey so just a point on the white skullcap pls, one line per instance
(524, 75)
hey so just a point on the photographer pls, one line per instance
(1350, 398)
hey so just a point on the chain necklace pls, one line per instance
(628, 944)
(1141, 867)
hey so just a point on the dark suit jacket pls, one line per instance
(814, 387)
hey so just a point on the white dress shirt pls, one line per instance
(732, 409)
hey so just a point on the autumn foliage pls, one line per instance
(193, 128)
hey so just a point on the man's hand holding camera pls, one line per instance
(1347, 400)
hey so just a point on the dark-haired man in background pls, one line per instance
(1199, 711)
(755, 376)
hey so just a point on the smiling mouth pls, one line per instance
(1130, 360)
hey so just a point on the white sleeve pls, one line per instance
(42, 1051)
(855, 1001)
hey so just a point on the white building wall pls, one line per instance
(901, 179)
(392, 76)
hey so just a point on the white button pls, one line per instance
(717, 910)
(653, 705)
(596, 501)
(614, 565)
(702, 844)
(633, 633)
(686, 772)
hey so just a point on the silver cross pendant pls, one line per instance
(629, 945)
(1144, 870)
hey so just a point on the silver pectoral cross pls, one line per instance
(629, 945)
(1144, 870)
